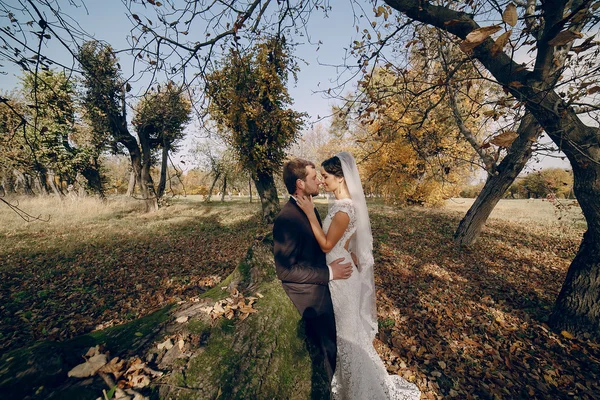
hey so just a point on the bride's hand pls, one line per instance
(306, 204)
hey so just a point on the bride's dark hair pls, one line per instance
(333, 166)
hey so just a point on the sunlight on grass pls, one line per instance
(538, 211)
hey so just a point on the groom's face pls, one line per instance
(312, 182)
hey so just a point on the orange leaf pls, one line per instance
(476, 37)
(504, 139)
(501, 42)
(564, 37)
(593, 90)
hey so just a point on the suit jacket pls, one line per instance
(300, 262)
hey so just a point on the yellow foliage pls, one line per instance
(412, 157)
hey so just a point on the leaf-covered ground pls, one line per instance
(462, 324)
(59, 280)
(471, 323)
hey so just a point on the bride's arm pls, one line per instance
(336, 230)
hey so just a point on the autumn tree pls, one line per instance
(106, 111)
(43, 138)
(160, 118)
(218, 161)
(413, 152)
(556, 182)
(250, 103)
(557, 89)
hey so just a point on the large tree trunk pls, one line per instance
(162, 184)
(577, 309)
(265, 186)
(498, 182)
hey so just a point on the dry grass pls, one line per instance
(561, 213)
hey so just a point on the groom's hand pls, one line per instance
(341, 270)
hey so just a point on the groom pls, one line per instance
(300, 262)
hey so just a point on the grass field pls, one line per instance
(460, 323)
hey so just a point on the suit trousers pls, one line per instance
(320, 330)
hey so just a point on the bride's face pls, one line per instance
(330, 181)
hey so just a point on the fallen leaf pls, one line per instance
(113, 367)
(182, 319)
(167, 344)
(567, 334)
(88, 368)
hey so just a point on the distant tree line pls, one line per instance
(553, 182)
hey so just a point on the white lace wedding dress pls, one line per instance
(360, 373)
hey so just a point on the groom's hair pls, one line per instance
(293, 170)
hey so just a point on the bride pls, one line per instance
(360, 373)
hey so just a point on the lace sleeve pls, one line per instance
(348, 208)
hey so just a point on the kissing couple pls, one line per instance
(327, 272)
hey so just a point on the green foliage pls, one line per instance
(162, 114)
(249, 103)
(103, 90)
(41, 132)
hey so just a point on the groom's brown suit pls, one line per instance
(301, 267)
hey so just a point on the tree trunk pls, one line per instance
(51, 181)
(498, 183)
(9, 182)
(26, 181)
(146, 182)
(132, 182)
(217, 175)
(578, 305)
(267, 192)
(250, 188)
(42, 179)
(94, 180)
(162, 184)
(224, 188)
(140, 159)
(577, 308)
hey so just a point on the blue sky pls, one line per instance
(107, 20)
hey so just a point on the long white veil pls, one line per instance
(362, 243)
